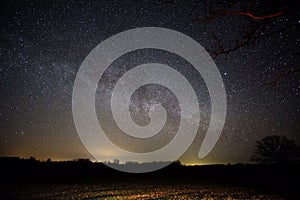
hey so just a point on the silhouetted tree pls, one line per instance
(255, 21)
(83, 160)
(32, 158)
(275, 149)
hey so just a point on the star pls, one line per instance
(43, 47)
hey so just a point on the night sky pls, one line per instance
(43, 44)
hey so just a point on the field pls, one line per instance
(133, 191)
(27, 179)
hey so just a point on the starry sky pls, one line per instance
(43, 44)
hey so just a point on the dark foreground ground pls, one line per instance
(137, 191)
(30, 179)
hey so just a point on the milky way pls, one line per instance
(44, 43)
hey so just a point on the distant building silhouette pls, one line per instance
(116, 161)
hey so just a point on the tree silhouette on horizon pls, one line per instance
(275, 149)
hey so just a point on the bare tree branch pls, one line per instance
(245, 13)
(249, 14)
(282, 76)
(248, 38)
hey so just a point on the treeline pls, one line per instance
(279, 176)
